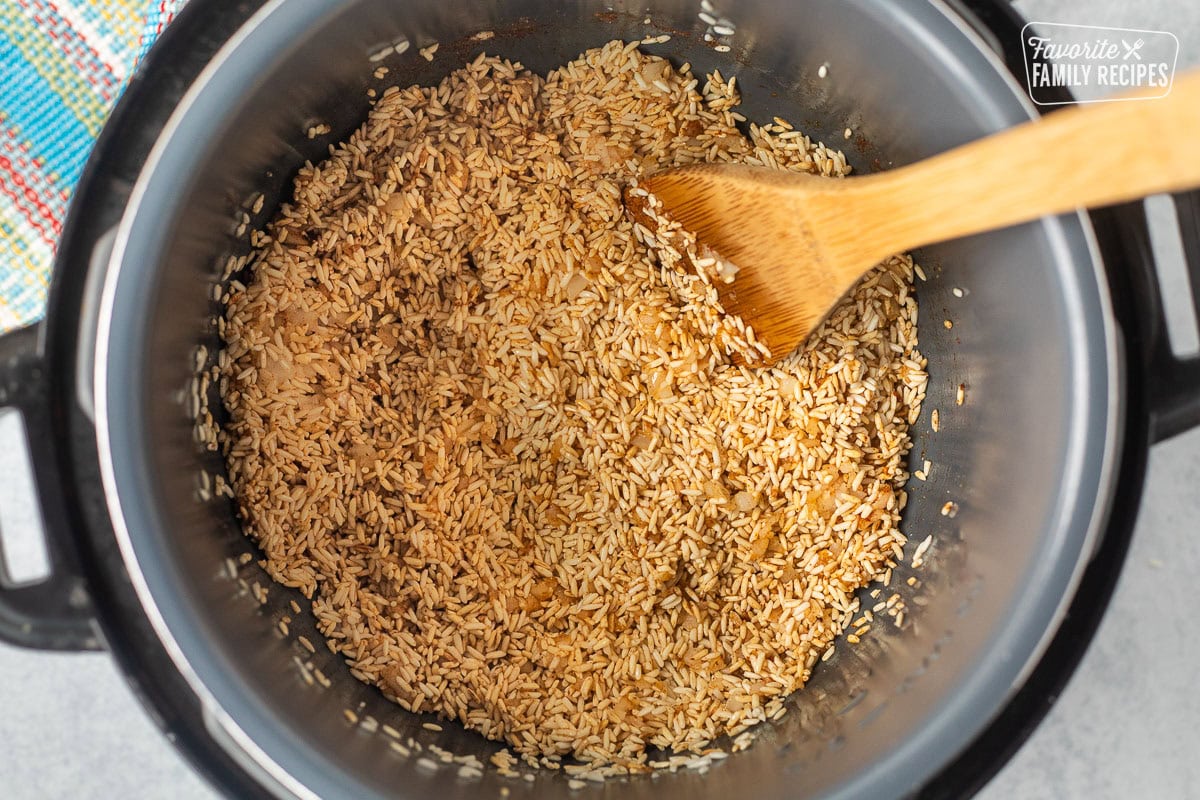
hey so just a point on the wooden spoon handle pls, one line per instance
(1089, 155)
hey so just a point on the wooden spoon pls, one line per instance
(799, 242)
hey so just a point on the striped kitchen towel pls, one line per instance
(63, 63)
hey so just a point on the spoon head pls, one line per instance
(782, 284)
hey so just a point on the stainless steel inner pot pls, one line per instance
(1027, 457)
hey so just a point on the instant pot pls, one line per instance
(1058, 338)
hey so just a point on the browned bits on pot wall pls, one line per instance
(504, 450)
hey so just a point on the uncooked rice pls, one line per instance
(503, 449)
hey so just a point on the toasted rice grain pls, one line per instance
(503, 448)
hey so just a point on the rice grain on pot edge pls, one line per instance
(501, 445)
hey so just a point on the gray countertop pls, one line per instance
(1124, 727)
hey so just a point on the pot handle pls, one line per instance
(55, 612)
(1174, 381)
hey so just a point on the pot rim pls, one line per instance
(263, 764)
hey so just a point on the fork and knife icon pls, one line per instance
(1132, 49)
